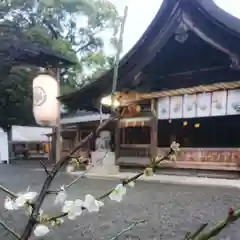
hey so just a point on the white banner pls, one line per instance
(203, 105)
(190, 106)
(233, 102)
(176, 107)
(219, 103)
(163, 108)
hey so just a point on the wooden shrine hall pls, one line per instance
(181, 81)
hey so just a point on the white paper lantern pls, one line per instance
(45, 103)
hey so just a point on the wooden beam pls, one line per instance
(77, 138)
(117, 139)
(154, 129)
(127, 98)
(196, 89)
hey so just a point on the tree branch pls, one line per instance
(190, 236)
(124, 182)
(129, 228)
(53, 32)
(219, 227)
(84, 46)
(79, 177)
(134, 178)
(9, 192)
(45, 168)
(44, 191)
(10, 230)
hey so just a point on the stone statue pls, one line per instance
(103, 159)
(102, 143)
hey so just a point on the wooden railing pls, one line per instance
(129, 150)
(188, 158)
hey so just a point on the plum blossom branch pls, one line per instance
(10, 230)
(85, 172)
(231, 218)
(44, 167)
(149, 170)
(190, 236)
(82, 175)
(120, 189)
(129, 228)
(47, 183)
(9, 192)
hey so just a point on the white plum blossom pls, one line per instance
(91, 204)
(118, 193)
(175, 146)
(131, 184)
(172, 157)
(58, 221)
(61, 196)
(9, 204)
(148, 172)
(20, 201)
(41, 215)
(41, 230)
(40, 212)
(73, 208)
(23, 198)
(28, 210)
(69, 168)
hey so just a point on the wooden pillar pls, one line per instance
(48, 150)
(154, 130)
(77, 137)
(58, 124)
(53, 146)
(11, 152)
(117, 139)
(56, 138)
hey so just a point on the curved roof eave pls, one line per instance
(204, 15)
(145, 40)
(218, 14)
(34, 54)
(24, 52)
(157, 31)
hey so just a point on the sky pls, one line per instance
(138, 19)
(142, 12)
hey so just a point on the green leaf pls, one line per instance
(71, 27)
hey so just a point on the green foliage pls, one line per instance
(16, 98)
(72, 28)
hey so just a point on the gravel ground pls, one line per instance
(170, 210)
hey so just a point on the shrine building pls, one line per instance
(180, 81)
